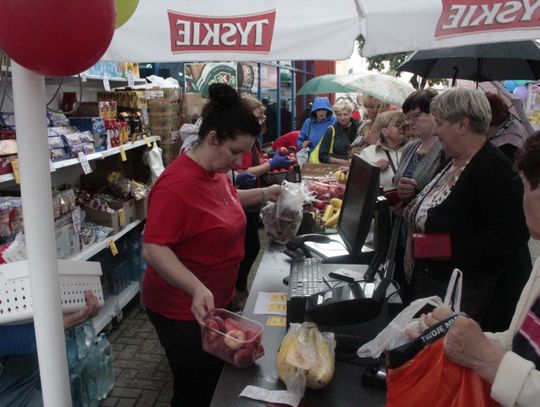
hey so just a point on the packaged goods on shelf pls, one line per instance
(68, 242)
(134, 99)
(91, 124)
(111, 212)
(10, 218)
(66, 142)
(8, 150)
(57, 119)
(64, 202)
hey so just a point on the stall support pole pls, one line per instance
(34, 167)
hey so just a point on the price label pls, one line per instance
(118, 312)
(113, 248)
(121, 217)
(106, 83)
(123, 153)
(154, 145)
(146, 140)
(84, 163)
(277, 307)
(76, 219)
(276, 321)
(278, 297)
(16, 175)
(15, 252)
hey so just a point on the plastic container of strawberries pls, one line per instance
(231, 337)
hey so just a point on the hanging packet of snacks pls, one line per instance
(282, 219)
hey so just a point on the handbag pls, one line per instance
(418, 373)
(431, 245)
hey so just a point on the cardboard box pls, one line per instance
(319, 170)
(130, 211)
(105, 218)
(169, 151)
(141, 208)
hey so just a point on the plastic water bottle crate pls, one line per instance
(75, 278)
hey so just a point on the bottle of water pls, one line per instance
(72, 347)
(89, 374)
(86, 336)
(77, 390)
(106, 378)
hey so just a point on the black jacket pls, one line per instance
(484, 217)
(342, 142)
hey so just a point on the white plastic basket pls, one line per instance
(75, 277)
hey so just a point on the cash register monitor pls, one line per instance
(358, 205)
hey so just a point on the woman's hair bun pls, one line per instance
(222, 94)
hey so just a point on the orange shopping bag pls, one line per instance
(430, 380)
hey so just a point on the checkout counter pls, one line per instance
(344, 390)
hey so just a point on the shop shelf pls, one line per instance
(94, 156)
(113, 306)
(93, 80)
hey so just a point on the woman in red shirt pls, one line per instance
(194, 241)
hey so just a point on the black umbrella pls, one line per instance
(479, 63)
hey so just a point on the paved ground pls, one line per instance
(143, 378)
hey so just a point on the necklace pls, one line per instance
(222, 196)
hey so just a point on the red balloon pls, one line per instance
(56, 37)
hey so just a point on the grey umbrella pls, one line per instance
(479, 63)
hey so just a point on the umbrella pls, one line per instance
(390, 26)
(324, 84)
(484, 62)
(386, 88)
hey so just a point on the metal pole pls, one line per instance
(33, 151)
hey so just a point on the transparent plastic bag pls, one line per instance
(404, 327)
(302, 156)
(282, 219)
(306, 358)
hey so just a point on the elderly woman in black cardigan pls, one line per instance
(476, 201)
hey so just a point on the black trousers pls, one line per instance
(252, 246)
(195, 372)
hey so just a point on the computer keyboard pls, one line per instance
(305, 278)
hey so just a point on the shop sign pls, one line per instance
(246, 33)
(463, 17)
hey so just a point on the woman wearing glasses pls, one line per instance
(422, 157)
(474, 204)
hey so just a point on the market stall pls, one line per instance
(163, 30)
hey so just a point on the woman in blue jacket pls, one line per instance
(315, 126)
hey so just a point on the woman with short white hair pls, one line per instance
(475, 201)
(335, 146)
